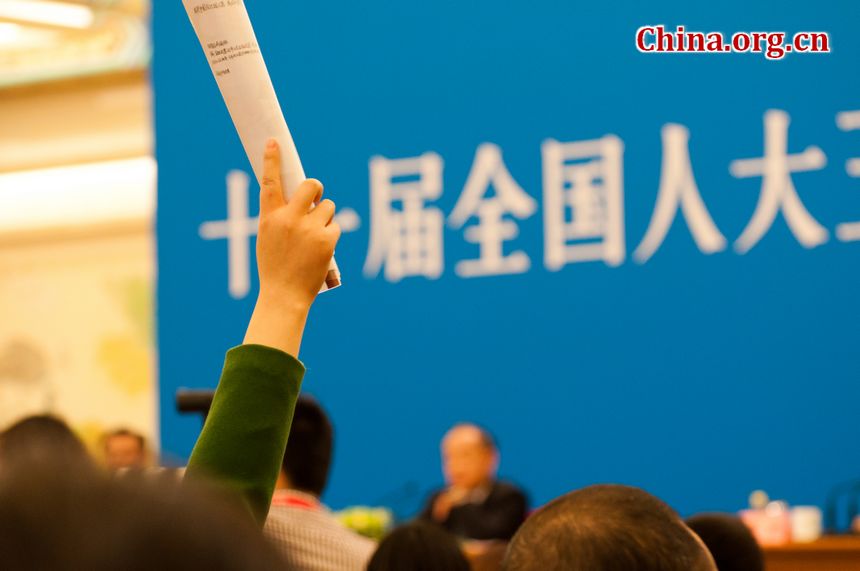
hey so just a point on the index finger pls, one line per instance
(271, 191)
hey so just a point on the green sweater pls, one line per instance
(243, 441)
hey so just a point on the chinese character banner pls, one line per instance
(627, 249)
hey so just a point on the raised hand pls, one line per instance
(295, 243)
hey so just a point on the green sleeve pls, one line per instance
(243, 441)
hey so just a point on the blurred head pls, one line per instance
(124, 449)
(52, 518)
(469, 456)
(730, 542)
(39, 440)
(607, 528)
(309, 447)
(418, 546)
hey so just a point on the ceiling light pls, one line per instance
(17, 36)
(78, 194)
(47, 13)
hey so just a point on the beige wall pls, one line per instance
(76, 309)
(76, 330)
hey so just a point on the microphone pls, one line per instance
(193, 401)
(850, 490)
(399, 498)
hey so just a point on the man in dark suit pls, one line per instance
(474, 505)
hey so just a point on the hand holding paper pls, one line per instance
(295, 245)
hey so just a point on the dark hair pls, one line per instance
(126, 433)
(606, 528)
(731, 543)
(418, 546)
(62, 520)
(40, 439)
(308, 455)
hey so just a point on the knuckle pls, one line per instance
(268, 181)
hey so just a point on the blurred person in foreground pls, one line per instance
(418, 546)
(124, 450)
(607, 528)
(53, 519)
(42, 439)
(729, 540)
(475, 505)
(56, 518)
(306, 533)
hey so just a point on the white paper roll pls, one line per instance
(228, 40)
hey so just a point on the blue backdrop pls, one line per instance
(699, 366)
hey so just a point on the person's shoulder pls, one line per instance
(507, 489)
(318, 523)
(316, 539)
(504, 486)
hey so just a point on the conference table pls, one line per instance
(830, 553)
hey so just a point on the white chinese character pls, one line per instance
(492, 229)
(777, 190)
(583, 201)
(237, 229)
(678, 189)
(408, 240)
(849, 121)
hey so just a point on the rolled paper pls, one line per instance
(228, 40)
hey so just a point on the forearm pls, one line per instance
(278, 321)
(245, 435)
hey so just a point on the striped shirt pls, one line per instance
(311, 539)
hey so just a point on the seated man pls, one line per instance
(304, 531)
(124, 450)
(607, 528)
(475, 505)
